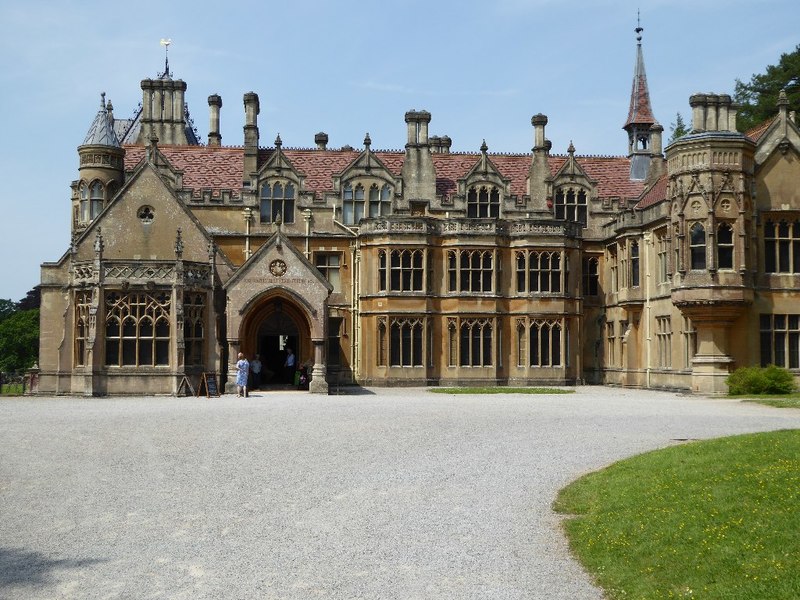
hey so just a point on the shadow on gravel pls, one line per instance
(21, 567)
(348, 390)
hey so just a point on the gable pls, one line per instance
(129, 232)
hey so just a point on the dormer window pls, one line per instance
(353, 204)
(483, 202)
(380, 200)
(570, 205)
(277, 198)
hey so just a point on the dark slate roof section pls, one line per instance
(218, 168)
(101, 132)
(640, 112)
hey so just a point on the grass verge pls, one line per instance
(716, 519)
(499, 390)
(11, 389)
(778, 400)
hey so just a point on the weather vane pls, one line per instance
(166, 42)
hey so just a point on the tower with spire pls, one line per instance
(644, 132)
(101, 168)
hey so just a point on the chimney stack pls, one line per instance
(214, 106)
(321, 140)
(251, 110)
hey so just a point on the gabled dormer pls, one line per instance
(366, 188)
(279, 185)
(483, 188)
(572, 189)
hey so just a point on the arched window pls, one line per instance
(380, 200)
(406, 343)
(476, 343)
(697, 246)
(277, 198)
(591, 280)
(137, 330)
(725, 246)
(545, 344)
(470, 270)
(352, 204)
(83, 194)
(483, 202)
(95, 200)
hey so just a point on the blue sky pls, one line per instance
(482, 68)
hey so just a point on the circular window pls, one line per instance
(146, 214)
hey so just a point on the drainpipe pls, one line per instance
(247, 213)
(648, 241)
(307, 219)
(355, 326)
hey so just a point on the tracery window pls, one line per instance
(725, 246)
(475, 343)
(538, 272)
(545, 343)
(782, 246)
(380, 200)
(352, 204)
(194, 318)
(570, 206)
(381, 342)
(137, 329)
(591, 276)
(277, 198)
(83, 195)
(400, 270)
(613, 267)
(611, 344)
(83, 301)
(780, 340)
(483, 201)
(405, 344)
(697, 246)
(689, 334)
(470, 270)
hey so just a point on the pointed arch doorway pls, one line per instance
(269, 329)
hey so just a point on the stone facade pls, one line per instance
(425, 266)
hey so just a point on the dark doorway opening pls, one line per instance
(272, 349)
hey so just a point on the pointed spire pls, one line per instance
(640, 112)
(101, 132)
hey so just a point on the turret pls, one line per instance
(640, 121)
(101, 168)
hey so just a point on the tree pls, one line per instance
(759, 96)
(32, 299)
(7, 308)
(678, 129)
(19, 340)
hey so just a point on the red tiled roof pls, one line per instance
(756, 132)
(221, 168)
(656, 193)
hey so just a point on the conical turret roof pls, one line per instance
(640, 112)
(101, 133)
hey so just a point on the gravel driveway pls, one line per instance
(390, 493)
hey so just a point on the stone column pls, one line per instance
(233, 353)
(319, 384)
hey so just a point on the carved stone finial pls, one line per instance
(98, 242)
(484, 147)
(278, 141)
(178, 243)
(571, 149)
(367, 141)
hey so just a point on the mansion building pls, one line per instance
(664, 268)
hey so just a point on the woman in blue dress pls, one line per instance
(242, 370)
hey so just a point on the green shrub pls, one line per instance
(760, 380)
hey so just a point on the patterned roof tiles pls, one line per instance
(756, 132)
(216, 168)
(656, 193)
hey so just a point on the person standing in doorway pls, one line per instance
(255, 367)
(242, 371)
(289, 366)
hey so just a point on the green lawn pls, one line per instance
(500, 390)
(716, 519)
(779, 400)
(12, 389)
